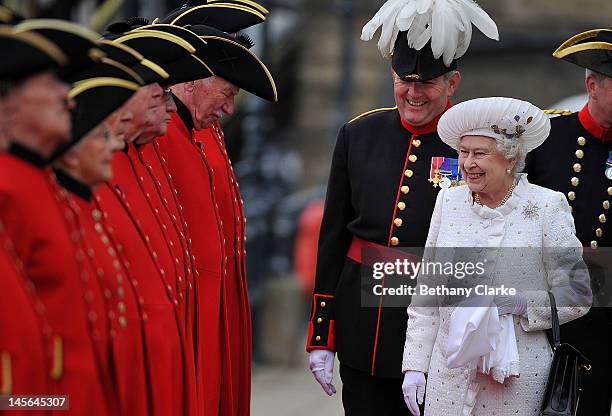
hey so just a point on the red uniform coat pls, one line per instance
(208, 192)
(136, 190)
(47, 242)
(121, 293)
(25, 336)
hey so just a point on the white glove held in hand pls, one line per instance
(414, 390)
(322, 367)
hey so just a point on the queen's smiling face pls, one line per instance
(484, 166)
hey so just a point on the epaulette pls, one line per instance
(376, 110)
(557, 112)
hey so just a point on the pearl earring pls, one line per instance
(508, 171)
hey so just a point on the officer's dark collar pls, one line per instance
(430, 127)
(27, 155)
(73, 185)
(592, 126)
(183, 112)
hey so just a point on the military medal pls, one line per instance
(609, 166)
(434, 171)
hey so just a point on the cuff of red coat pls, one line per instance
(322, 327)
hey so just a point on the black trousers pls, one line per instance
(364, 395)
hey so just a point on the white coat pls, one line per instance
(533, 217)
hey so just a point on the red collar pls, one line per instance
(592, 126)
(430, 127)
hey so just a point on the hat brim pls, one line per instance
(247, 3)
(109, 68)
(76, 42)
(148, 71)
(227, 17)
(157, 46)
(35, 54)
(187, 68)
(235, 63)
(95, 99)
(586, 51)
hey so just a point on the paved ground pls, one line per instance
(281, 391)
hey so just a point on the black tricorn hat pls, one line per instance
(189, 68)
(148, 71)
(77, 42)
(9, 17)
(417, 65)
(591, 49)
(234, 62)
(95, 99)
(171, 52)
(229, 17)
(35, 53)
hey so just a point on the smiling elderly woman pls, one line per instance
(530, 229)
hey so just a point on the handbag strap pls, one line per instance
(554, 317)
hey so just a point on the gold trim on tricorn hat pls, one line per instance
(591, 49)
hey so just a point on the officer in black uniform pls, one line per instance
(576, 159)
(387, 168)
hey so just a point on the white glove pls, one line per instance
(414, 390)
(515, 305)
(322, 367)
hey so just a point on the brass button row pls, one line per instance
(405, 189)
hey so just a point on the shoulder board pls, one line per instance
(557, 112)
(376, 110)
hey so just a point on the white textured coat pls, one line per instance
(532, 217)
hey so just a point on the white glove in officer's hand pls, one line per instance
(414, 390)
(322, 367)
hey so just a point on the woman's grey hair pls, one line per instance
(512, 150)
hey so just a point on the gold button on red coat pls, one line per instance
(405, 189)
(416, 143)
(412, 158)
(394, 241)
(401, 206)
(398, 222)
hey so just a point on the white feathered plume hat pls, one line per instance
(425, 37)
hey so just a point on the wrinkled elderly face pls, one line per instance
(40, 103)
(91, 160)
(161, 117)
(212, 98)
(144, 106)
(483, 166)
(419, 102)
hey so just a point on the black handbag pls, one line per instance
(562, 395)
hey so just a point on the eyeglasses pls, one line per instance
(167, 94)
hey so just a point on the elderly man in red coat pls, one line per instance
(196, 164)
(48, 242)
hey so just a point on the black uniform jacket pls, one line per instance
(573, 161)
(378, 191)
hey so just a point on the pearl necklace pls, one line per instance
(503, 201)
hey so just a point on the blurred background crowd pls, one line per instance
(281, 152)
